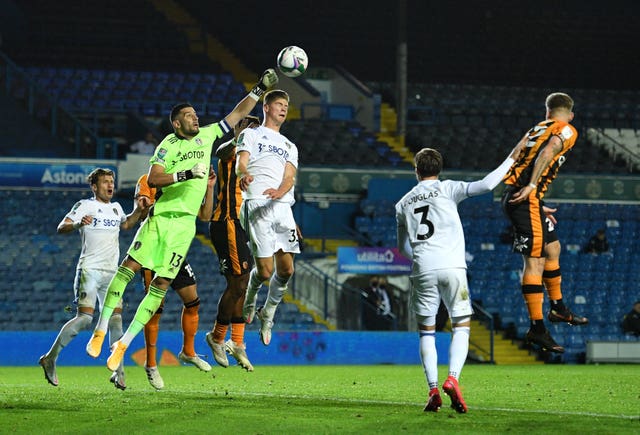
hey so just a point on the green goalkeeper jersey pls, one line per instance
(175, 154)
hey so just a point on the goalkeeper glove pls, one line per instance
(199, 170)
(268, 79)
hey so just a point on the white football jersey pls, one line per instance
(428, 215)
(269, 153)
(100, 243)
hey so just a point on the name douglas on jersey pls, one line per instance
(421, 197)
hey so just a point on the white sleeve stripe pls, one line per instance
(224, 126)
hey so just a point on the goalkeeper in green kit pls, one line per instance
(179, 168)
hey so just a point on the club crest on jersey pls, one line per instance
(288, 144)
(162, 153)
(464, 294)
(115, 211)
(198, 141)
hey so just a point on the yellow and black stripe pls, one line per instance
(519, 174)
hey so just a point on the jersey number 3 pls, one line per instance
(424, 221)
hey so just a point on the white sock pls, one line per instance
(277, 289)
(254, 280)
(459, 350)
(68, 332)
(115, 328)
(429, 357)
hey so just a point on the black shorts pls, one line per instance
(532, 230)
(184, 278)
(232, 246)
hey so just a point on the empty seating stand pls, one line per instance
(39, 266)
(593, 285)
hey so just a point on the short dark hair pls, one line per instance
(95, 175)
(559, 100)
(274, 95)
(428, 162)
(175, 110)
(251, 118)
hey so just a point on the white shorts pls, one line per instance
(91, 285)
(450, 285)
(270, 227)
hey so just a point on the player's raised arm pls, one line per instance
(206, 209)
(226, 151)
(546, 156)
(140, 211)
(67, 225)
(268, 79)
(492, 179)
(159, 178)
(242, 161)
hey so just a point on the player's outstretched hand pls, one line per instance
(268, 79)
(245, 181)
(211, 181)
(199, 170)
(548, 212)
(143, 202)
(521, 195)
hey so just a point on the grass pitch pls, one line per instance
(565, 399)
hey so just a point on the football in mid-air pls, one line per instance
(292, 61)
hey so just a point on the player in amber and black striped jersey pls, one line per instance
(535, 238)
(234, 257)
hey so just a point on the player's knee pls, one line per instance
(265, 273)
(161, 283)
(460, 321)
(285, 272)
(426, 320)
(194, 304)
(237, 285)
(237, 291)
(552, 250)
(84, 320)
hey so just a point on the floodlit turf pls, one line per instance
(560, 399)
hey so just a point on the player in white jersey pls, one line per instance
(266, 165)
(430, 234)
(99, 222)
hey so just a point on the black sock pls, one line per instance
(558, 306)
(537, 327)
